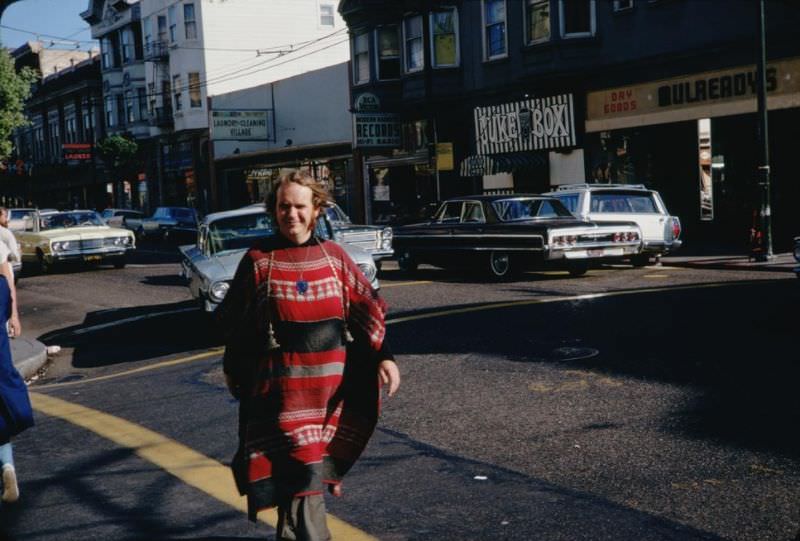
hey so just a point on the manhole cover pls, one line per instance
(573, 354)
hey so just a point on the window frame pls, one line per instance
(326, 4)
(356, 62)
(421, 38)
(177, 101)
(172, 23)
(526, 13)
(188, 22)
(194, 87)
(398, 58)
(578, 35)
(434, 64)
(127, 48)
(484, 27)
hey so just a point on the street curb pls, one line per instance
(28, 356)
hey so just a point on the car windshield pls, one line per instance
(634, 203)
(512, 210)
(237, 232)
(64, 220)
(336, 215)
(183, 214)
(19, 214)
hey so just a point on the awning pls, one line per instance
(509, 162)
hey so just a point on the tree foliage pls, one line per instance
(117, 151)
(14, 90)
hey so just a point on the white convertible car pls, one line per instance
(224, 237)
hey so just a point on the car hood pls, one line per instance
(355, 228)
(93, 232)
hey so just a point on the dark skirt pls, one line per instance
(16, 413)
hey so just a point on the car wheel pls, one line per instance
(407, 262)
(640, 260)
(578, 269)
(45, 266)
(499, 264)
(119, 262)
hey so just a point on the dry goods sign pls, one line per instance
(532, 124)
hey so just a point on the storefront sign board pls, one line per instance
(376, 130)
(241, 125)
(444, 156)
(532, 124)
(702, 95)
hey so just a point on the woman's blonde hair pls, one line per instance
(319, 194)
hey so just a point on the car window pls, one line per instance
(450, 212)
(19, 214)
(510, 210)
(623, 203)
(337, 215)
(237, 232)
(547, 210)
(65, 220)
(108, 213)
(161, 212)
(569, 201)
(473, 213)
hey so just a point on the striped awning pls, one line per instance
(509, 162)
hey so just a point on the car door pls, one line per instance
(469, 234)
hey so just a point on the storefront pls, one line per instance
(694, 139)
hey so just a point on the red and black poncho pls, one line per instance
(309, 400)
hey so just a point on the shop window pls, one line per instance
(388, 41)
(414, 49)
(444, 37)
(537, 21)
(194, 91)
(495, 43)
(577, 18)
(189, 22)
(622, 5)
(361, 58)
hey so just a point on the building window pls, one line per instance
(147, 30)
(189, 22)
(141, 97)
(361, 58)
(126, 37)
(121, 113)
(388, 39)
(577, 18)
(162, 29)
(110, 111)
(621, 5)
(194, 90)
(494, 23)
(326, 15)
(537, 21)
(172, 23)
(106, 54)
(130, 110)
(176, 92)
(414, 48)
(88, 125)
(444, 37)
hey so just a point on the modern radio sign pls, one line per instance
(241, 125)
(532, 124)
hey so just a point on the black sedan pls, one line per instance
(503, 233)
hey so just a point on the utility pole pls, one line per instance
(765, 213)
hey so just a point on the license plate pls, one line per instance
(595, 252)
(92, 258)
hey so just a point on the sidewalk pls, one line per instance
(780, 262)
(28, 355)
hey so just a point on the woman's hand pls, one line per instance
(14, 326)
(390, 376)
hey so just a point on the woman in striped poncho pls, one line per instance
(305, 355)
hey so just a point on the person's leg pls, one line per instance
(9, 475)
(303, 519)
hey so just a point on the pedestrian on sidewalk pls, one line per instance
(15, 407)
(306, 357)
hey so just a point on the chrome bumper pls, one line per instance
(105, 251)
(598, 251)
(660, 247)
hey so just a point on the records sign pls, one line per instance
(533, 124)
(376, 130)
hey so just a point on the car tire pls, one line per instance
(119, 262)
(578, 269)
(45, 266)
(407, 262)
(499, 265)
(640, 260)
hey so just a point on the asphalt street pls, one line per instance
(654, 403)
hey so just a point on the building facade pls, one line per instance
(524, 95)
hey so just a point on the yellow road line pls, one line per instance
(189, 466)
(399, 284)
(164, 364)
(656, 276)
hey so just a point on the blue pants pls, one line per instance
(6, 456)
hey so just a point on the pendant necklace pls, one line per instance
(301, 285)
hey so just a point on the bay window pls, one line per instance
(537, 21)
(388, 46)
(361, 58)
(577, 18)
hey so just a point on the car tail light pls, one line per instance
(676, 227)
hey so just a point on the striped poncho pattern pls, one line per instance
(311, 400)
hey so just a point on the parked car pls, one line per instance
(77, 235)
(16, 218)
(501, 233)
(224, 237)
(797, 255)
(166, 222)
(124, 218)
(376, 240)
(626, 202)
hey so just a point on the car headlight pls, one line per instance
(369, 270)
(60, 246)
(386, 238)
(218, 290)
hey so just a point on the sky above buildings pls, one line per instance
(53, 21)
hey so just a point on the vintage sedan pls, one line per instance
(377, 240)
(222, 240)
(50, 238)
(166, 222)
(503, 233)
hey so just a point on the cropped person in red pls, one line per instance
(305, 355)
